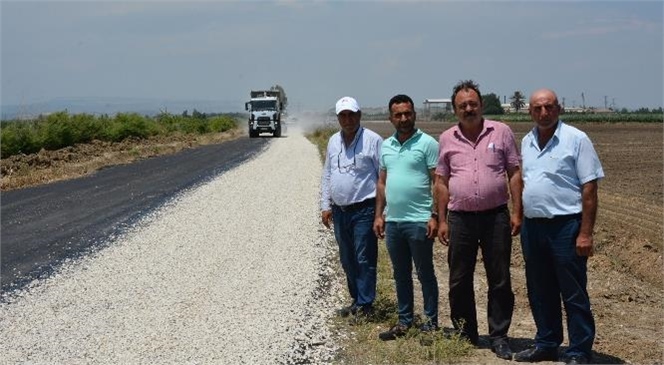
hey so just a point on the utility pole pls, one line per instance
(605, 104)
(583, 101)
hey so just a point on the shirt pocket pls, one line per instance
(495, 156)
(364, 162)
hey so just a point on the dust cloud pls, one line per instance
(308, 122)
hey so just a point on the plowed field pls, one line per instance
(625, 274)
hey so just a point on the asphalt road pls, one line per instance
(45, 225)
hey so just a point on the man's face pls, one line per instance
(544, 109)
(402, 116)
(349, 121)
(468, 107)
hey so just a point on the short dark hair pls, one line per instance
(399, 99)
(465, 85)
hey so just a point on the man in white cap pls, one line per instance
(348, 199)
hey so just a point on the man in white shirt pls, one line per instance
(561, 171)
(348, 199)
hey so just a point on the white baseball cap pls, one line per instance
(347, 103)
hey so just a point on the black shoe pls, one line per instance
(536, 354)
(577, 359)
(396, 331)
(347, 311)
(502, 350)
(428, 331)
(429, 327)
(363, 311)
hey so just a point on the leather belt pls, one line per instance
(495, 210)
(357, 206)
(556, 218)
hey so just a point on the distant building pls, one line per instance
(434, 106)
(508, 108)
(573, 109)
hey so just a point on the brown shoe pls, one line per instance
(396, 331)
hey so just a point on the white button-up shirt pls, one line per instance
(553, 176)
(350, 173)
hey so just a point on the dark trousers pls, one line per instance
(553, 272)
(490, 232)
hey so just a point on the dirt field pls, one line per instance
(625, 274)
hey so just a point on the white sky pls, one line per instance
(322, 50)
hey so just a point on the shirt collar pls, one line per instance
(358, 134)
(556, 134)
(487, 126)
(395, 139)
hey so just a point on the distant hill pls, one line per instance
(111, 106)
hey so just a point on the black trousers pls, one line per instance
(490, 232)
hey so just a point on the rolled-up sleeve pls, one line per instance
(325, 202)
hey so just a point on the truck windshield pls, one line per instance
(263, 105)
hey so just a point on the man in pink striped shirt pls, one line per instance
(478, 160)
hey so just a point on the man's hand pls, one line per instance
(584, 245)
(515, 222)
(379, 226)
(432, 228)
(443, 233)
(326, 218)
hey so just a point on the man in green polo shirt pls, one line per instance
(404, 206)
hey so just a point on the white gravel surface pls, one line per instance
(238, 270)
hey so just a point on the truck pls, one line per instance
(265, 108)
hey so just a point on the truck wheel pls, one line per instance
(277, 132)
(253, 134)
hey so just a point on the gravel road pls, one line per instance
(44, 225)
(237, 270)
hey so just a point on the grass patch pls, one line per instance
(60, 130)
(362, 345)
(320, 137)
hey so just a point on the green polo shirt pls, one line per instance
(408, 185)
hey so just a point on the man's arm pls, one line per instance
(443, 198)
(432, 225)
(516, 189)
(379, 220)
(589, 201)
(326, 211)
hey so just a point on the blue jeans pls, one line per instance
(358, 251)
(407, 243)
(555, 271)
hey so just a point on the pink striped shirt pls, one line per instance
(477, 171)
